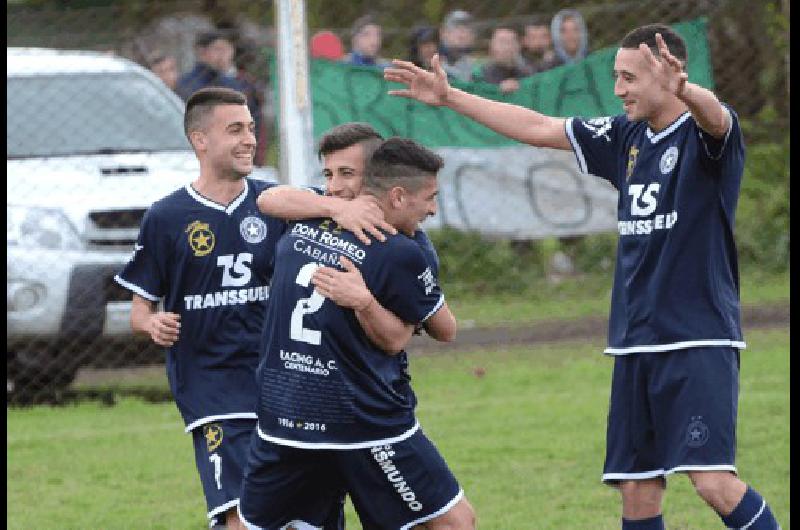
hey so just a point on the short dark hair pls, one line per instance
(647, 34)
(400, 162)
(349, 134)
(201, 103)
(362, 22)
(204, 38)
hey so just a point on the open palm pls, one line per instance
(428, 87)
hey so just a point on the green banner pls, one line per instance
(343, 93)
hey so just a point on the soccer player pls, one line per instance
(334, 411)
(206, 253)
(676, 157)
(344, 151)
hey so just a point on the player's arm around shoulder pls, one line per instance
(347, 288)
(360, 215)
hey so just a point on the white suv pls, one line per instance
(92, 141)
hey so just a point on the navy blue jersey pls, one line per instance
(676, 282)
(420, 237)
(323, 383)
(212, 265)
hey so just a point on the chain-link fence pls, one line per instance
(94, 139)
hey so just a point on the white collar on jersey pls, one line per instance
(655, 138)
(211, 204)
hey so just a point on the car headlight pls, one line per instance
(42, 228)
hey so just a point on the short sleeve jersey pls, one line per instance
(676, 281)
(324, 385)
(212, 265)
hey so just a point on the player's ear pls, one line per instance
(397, 197)
(198, 139)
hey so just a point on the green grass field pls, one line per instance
(526, 441)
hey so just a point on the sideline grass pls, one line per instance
(526, 441)
(588, 296)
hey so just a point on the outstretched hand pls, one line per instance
(428, 87)
(668, 70)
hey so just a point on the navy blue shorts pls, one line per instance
(672, 412)
(220, 450)
(393, 486)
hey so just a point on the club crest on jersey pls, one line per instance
(213, 436)
(697, 432)
(668, 160)
(632, 154)
(253, 229)
(599, 127)
(201, 238)
(428, 280)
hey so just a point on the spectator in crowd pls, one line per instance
(215, 67)
(570, 38)
(326, 45)
(505, 65)
(457, 41)
(254, 90)
(215, 51)
(365, 43)
(537, 46)
(423, 44)
(165, 67)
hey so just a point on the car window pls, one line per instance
(62, 115)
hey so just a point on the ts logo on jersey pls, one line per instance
(644, 200)
(213, 435)
(201, 238)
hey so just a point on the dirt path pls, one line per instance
(753, 317)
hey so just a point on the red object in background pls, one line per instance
(326, 45)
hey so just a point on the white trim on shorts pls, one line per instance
(297, 524)
(740, 345)
(662, 473)
(224, 508)
(327, 445)
(446, 508)
(219, 417)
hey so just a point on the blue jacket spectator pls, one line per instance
(365, 42)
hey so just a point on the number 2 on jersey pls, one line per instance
(306, 306)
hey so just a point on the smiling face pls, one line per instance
(643, 98)
(226, 142)
(411, 208)
(344, 171)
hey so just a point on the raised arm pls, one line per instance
(519, 123)
(361, 215)
(704, 106)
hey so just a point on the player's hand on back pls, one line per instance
(345, 288)
(363, 217)
(428, 87)
(164, 328)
